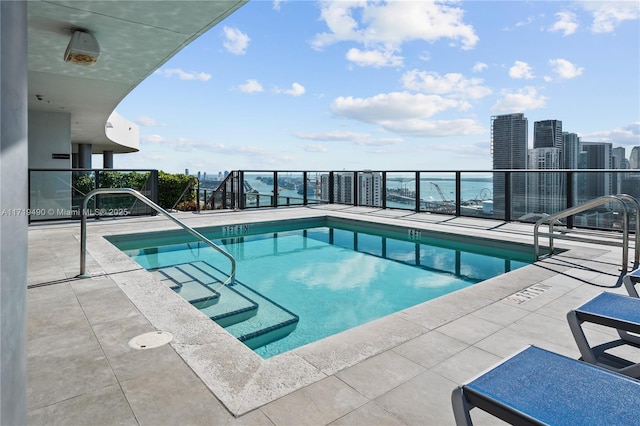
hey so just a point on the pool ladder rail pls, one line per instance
(130, 191)
(606, 238)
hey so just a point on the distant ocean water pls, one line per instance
(475, 188)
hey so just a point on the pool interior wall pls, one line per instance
(520, 251)
(279, 334)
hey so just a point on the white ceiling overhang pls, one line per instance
(136, 37)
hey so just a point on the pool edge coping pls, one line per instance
(244, 381)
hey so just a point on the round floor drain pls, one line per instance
(150, 340)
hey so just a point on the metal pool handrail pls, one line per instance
(621, 198)
(139, 196)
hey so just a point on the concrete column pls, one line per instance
(75, 160)
(107, 159)
(14, 154)
(84, 155)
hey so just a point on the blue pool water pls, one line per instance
(298, 286)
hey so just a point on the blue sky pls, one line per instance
(396, 85)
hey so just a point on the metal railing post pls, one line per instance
(417, 190)
(458, 193)
(569, 197)
(331, 188)
(355, 188)
(507, 196)
(304, 189)
(384, 190)
(274, 200)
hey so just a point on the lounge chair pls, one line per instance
(538, 387)
(630, 280)
(610, 310)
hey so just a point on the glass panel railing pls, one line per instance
(258, 189)
(592, 184)
(545, 195)
(512, 195)
(518, 195)
(401, 190)
(58, 194)
(369, 188)
(343, 187)
(118, 205)
(476, 198)
(50, 195)
(290, 188)
(317, 187)
(438, 192)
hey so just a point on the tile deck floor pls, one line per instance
(396, 371)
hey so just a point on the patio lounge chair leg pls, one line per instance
(629, 283)
(460, 408)
(580, 338)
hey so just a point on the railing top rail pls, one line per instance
(138, 195)
(449, 171)
(91, 170)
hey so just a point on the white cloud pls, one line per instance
(607, 15)
(434, 128)
(519, 24)
(391, 106)
(565, 69)
(316, 147)
(385, 26)
(567, 23)
(297, 89)
(184, 75)
(524, 99)
(236, 41)
(406, 114)
(454, 84)
(480, 66)
(353, 137)
(251, 86)
(188, 145)
(148, 121)
(374, 58)
(277, 4)
(520, 70)
(628, 135)
(153, 139)
(355, 272)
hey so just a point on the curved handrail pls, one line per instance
(633, 200)
(588, 206)
(83, 228)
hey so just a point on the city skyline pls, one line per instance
(386, 85)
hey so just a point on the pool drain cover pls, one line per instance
(150, 340)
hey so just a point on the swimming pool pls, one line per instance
(300, 281)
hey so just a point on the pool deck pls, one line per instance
(398, 370)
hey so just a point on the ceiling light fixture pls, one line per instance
(83, 49)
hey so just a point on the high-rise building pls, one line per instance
(370, 189)
(618, 161)
(509, 135)
(595, 155)
(570, 150)
(619, 158)
(544, 190)
(634, 158)
(343, 188)
(547, 134)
